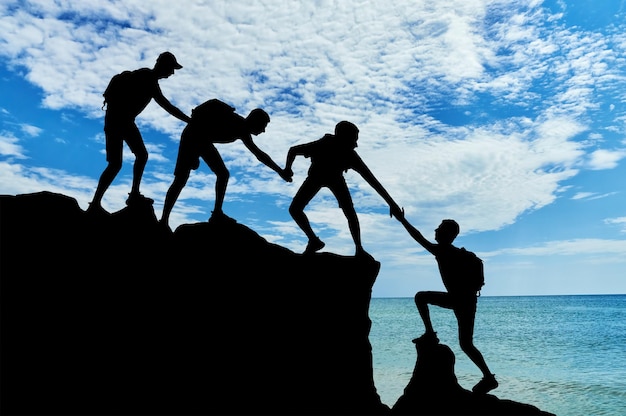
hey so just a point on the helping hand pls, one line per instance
(286, 174)
(396, 211)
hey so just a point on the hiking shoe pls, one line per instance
(138, 199)
(314, 245)
(96, 210)
(427, 337)
(485, 385)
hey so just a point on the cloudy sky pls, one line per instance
(508, 116)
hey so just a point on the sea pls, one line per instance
(563, 354)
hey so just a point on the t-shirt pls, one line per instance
(454, 272)
(329, 159)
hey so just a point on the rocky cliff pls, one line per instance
(115, 315)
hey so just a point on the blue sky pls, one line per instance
(508, 116)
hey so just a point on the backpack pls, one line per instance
(118, 87)
(211, 111)
(473, 270)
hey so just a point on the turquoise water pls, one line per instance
(563, 354)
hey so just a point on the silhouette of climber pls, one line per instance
(458, 298)
(215, 122)
(126, 97)
(331, 156)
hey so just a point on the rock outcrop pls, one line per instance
(434, 390)
(115, 315)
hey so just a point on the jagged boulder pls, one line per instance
(434, 389)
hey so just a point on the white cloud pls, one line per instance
(575, 247)
(583, 195)
(605, 159)
(9, 146)
(32, 131)
(620, 221)
(503, 170)
(592, 195)
(18, 179)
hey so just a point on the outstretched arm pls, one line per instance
(367, 174)
(265, 158)
(414, 232)
(171, 108)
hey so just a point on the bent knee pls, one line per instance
(295, 209)
(222, 175)
(421, 298)
(114, 165)
(467, 346)
(141, 156)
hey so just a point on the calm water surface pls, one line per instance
(563, 354)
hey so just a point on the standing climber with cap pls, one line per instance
(126, 97)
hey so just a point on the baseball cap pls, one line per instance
(168, 58)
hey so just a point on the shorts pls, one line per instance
(191, 148)
(116, 132)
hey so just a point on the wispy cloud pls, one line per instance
(32, 131)
(10, 147)
(620, 222)
(605, 158)
(592, 195)
(575, 247)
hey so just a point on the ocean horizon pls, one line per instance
(565, 354)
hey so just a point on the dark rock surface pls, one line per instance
(434, 390)
(115, 315)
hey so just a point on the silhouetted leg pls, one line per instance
(465, 316)
(141, 159)
(342, 193)
(114, 149)
(180, 180)
(221, 183)
(106, 179)
(213, 159)
(422, 299)
(301, 199)
(136, 145)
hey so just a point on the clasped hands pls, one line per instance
(286, 174)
